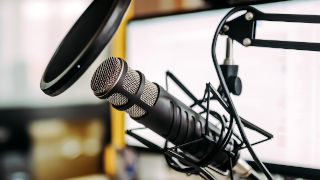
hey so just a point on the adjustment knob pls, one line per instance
(235, 85)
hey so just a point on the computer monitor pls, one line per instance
(280, 87)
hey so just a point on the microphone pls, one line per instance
(149, 104)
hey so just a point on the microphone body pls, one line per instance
(151, 105)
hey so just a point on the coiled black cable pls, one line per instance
(233, 110)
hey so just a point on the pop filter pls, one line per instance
(82, 44)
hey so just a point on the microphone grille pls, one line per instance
(136, 111)
(149, 96)
(131, 81)
(149, 93)
(117, 99)
(106, 76)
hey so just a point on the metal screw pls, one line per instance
(246, 42)
(249, 16)
(226, 28)
(78, 66)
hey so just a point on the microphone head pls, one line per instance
(118, 83)
(106, 76)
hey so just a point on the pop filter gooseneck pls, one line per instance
(83, 43)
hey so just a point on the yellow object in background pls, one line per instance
(65, 147)
(117, 117)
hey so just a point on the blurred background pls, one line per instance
(43, 137)
(69, 136)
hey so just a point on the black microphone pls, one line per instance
(151, 105)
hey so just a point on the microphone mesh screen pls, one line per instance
(131, 81)
(118, 99)
(149, 96)
(106, 76)
(150, 93)
(136, 111)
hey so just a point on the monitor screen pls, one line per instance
(280, 87)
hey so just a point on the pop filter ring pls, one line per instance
(82, 45)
